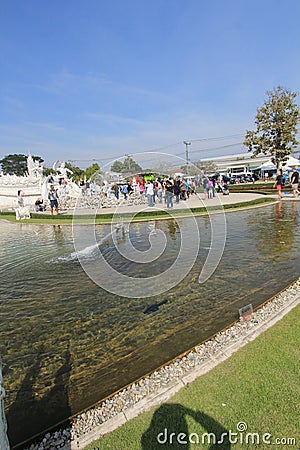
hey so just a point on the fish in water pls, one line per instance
(154, 307)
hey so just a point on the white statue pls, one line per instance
(62, 169)
(34, 168)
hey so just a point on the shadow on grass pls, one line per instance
(169, 430)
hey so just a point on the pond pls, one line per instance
(67, 343)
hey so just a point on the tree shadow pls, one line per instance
(29, 415)
(169, 430)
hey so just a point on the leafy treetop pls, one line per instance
(276, 126)
(16, 163)
(128, 166)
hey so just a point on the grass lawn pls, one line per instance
(66, 219)
(258, 385)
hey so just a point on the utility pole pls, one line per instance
(129, 162)
(187, 155)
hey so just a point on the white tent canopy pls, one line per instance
(291, 162)
(268, 165)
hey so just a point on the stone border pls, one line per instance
(63, 222)
(159, 386)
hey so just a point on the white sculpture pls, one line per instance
(62, 169)
(34, 168)
(22, 212)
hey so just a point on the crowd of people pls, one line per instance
(280, 182)
(154, 189)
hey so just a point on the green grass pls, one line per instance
(144, 215)
(258, 188)
(258, 385)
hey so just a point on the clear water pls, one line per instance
(66, 343)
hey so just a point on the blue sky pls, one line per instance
(97, 79)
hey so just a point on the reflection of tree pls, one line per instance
(168, 429)
(172, 227)
(29, 415)
(274, 232)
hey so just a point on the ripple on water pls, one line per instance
(74, 336)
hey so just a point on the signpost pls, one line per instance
(246, 313)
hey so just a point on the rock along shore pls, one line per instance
(160, 385)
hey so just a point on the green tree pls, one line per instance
(49, 171)
(117, 166)
(91, 170)
(77, 172)
(276, 126)
(16, 163)
(128, 166)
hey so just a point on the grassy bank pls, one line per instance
(37, 218)
(258, 385)
(258, 188)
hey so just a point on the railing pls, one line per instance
(4, 445)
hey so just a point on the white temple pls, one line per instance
(34, 185)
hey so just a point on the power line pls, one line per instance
(157, 149)
(207, 150)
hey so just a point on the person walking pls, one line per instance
(210, 188)
(124, 189)
(177, 190)
(115, 189)
(53, 197)
(150, 193)
(278, 184)
(295, 181)
(169, 194)
(205, 187)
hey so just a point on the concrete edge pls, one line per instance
(109, 221)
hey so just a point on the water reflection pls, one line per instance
(34, 405)
(67, 343)
(277, 233)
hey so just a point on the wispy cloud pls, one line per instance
(65, 82)
(114, 118)
(12, 102)
(44, 125)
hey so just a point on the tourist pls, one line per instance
(141, 188)
(183, 189)
(159, 191)
(53, 197)
(124, 190)
(225, 189)
(150, 193)
(278, 184)
(210, 188)
(177, 190)
(205, 187)
(20, 199)
(130, 189)
(39, 205)
(295, 181)
(115, 189)
(169, 194)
